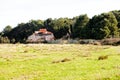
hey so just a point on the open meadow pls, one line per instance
(59, 62)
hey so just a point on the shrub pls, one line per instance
(103, 57)
(60, 41)
(110, 41)
(65, 60)
(4, 40)
(90, 41)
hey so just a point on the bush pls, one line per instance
(60, 41)
(103, 57)
(4, 40)
(89, 41)
(110, 41)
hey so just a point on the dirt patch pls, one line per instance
(103, 57)
(65, 60)
(62, 60)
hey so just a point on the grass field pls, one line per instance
(59, 62)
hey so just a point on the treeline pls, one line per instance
(105, 25)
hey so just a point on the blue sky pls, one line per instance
(13, 12)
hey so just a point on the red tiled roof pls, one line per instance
(44, 31)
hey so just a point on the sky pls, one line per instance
(13, 12)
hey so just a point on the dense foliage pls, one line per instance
(105, 25)
(102, 26)
(78, 26)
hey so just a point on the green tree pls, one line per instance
(102, 26)
(80, 23)
(23, 30)
(7, 29)
(60, 27)
(49, 24)
(117, 15)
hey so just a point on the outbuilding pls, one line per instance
(41, 36)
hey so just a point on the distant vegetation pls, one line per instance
(105, 25)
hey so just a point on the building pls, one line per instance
(41, 36)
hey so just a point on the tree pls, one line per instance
(21, 32)
(7, 29)
(117, 15)
(49, 24)
(102, 26)
(60, 27)
(80, 23)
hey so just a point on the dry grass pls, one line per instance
(75, 62)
